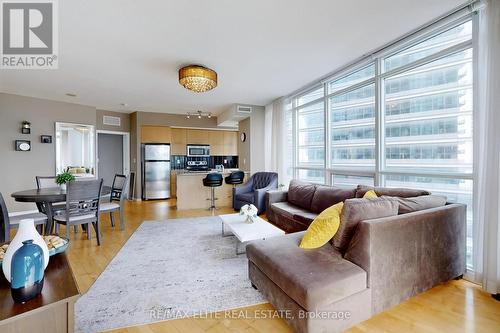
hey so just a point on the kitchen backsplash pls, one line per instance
(179, 161)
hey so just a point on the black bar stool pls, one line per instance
(212, 180)
(235, 178)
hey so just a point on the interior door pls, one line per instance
(110, 156)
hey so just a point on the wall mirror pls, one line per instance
(75, 149)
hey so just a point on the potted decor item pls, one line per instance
(63, 178)
(25, 232)
(26, 272)
(250, 211)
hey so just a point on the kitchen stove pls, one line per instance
(197, 166)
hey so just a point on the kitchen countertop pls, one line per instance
(184, 172)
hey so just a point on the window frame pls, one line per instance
(380, 171)
(378, 80)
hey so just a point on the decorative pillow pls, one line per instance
(301, 193)
(370, 195)
(357, 210)
(392, 192)
(326, 196)
(409, 205)
(73, 171)
(323, 228)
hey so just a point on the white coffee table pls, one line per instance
(234, 224)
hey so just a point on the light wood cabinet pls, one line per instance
(197, 137)
(216, 141)
(222, 143)
(173, 184)
(187, 184)
(230, 143)
(155, 134)
(179, 140)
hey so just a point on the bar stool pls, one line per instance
(235, 178)
(212, 180)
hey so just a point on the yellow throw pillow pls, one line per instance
(370, 195)
(323, 228)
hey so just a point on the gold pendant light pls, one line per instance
(197, 78)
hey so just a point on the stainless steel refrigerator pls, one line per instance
(155, 171)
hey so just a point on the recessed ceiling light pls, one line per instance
(70, 94)
(123, 104)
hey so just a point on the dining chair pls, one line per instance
(82, 207)
(119, 192)
(7, 223)
(50, 182)
(46, 182)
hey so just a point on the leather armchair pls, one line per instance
(254, 191)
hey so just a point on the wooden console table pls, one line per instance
(52, 311)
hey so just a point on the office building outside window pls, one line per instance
(422, 95)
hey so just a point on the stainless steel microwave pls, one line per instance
(198, 150)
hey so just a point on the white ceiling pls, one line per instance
(129, 51)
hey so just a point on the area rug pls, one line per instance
(166, 270)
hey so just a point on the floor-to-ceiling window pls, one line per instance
(402, 118)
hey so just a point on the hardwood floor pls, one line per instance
(457, 306)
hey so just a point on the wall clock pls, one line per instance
(23, 145)
(243, 137)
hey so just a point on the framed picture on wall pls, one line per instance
(46, 139)
(23, 145)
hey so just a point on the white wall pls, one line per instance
(251, 154)
(244, 158)
(257, 145)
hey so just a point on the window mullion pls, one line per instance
(327, 141)
(379, 123)
(295, 139)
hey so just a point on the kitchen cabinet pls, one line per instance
(216, 141)
(197, 137)
(230, 143)
(189, 183)
(222, 143)
(179, 140)
(173, 184)
(155, 134)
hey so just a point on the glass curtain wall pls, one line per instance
(403, 118)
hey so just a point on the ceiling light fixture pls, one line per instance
(199, 114)
(197, 78)
(70, 94)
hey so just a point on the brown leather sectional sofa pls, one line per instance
(294, 210)
(408, 249)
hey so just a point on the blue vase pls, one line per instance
(27, 266)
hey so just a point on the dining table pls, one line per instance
(44, 198)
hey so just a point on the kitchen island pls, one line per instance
(191, 194)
